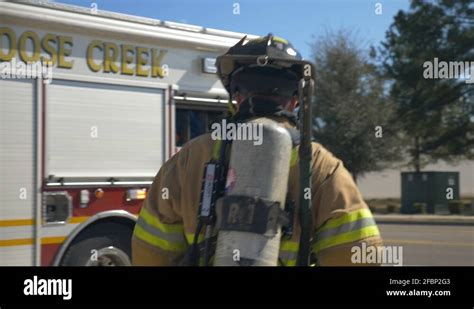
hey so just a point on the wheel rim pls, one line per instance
(110, 257)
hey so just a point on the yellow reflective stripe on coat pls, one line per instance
(231, 108)
(158, 242)
(288, 252)
(151, 230)
(347, 228)
(190, 238)
(216, 150)
(294, 157)
(155, 222)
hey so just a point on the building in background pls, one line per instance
(387, 183)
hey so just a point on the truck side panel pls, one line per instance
(17, 171)
(99, 130)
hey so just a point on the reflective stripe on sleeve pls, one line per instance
(347, 228)
(156, 223)
(171, 237)
(151, 230)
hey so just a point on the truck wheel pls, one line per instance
(99, 246)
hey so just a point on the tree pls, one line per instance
(437, 115)
(352, 110)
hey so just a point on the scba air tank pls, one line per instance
(249, 216)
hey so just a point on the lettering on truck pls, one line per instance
(101, 56)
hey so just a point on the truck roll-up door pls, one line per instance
(98, 130)
(17, 171)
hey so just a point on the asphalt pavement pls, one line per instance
(431, 245)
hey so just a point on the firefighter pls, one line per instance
(341, 219)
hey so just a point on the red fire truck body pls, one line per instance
(82, 138)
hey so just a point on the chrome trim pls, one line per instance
(111, 251)
(38, 127)
(98, 183)
(185, 27)
(82, 18)
(196, 99)
(136, 19)
(43, 206)
(82, 226)
(262, 61)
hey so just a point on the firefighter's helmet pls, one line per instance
(259, 66)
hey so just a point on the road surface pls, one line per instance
(431, 245)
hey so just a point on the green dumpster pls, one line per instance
(434, 189)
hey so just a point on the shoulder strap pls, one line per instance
(295, 136)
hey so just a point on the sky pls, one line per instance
(298, 21)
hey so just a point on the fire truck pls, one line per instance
(80, 146)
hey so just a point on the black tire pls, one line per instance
(98, 237)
